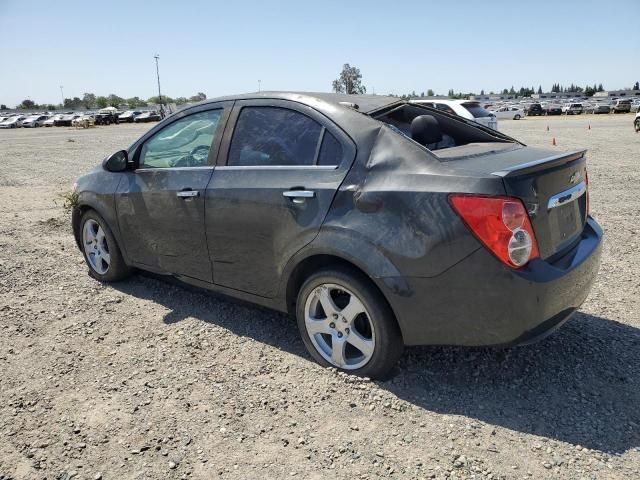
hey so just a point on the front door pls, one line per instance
(280, 166)
(161, 204)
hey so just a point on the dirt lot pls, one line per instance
(145, 379)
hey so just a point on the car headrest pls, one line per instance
(425, 130)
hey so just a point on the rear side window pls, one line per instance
(445, 108)
(476, 110)
(330, 150)
(273, 136)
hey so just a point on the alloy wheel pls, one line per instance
(96, 247)
(339, 326)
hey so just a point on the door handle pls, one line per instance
(188, 193)
(299, 196)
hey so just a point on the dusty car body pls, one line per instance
(144, 117)
(34, 121)
(83, 121)
(378, 223)
(128, 116)
(13, 122)
(66, 120)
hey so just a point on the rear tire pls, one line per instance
(100, 249)
(346, 323)
(517, 117)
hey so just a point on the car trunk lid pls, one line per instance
(554, 191)
(552, 186)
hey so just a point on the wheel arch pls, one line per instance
(92, 202)
(312, 263)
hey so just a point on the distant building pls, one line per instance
(552, 95)
(492, 97)
(618, 93)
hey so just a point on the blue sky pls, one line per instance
(225, 47)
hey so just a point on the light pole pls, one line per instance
(62, 95)
(156, 56)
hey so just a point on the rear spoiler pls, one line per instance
(548, 162)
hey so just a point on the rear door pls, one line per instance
(280, 165)
(161, 204)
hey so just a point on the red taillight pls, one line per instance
(501, 224)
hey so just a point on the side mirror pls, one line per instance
(117, 162)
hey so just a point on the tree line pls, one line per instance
(350, 81)
(90, 100)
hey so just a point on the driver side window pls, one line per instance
(184, 143)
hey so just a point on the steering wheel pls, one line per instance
(196, 158)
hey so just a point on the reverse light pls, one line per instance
(501, 224)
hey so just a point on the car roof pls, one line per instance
(365, 103)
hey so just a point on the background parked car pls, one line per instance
(469, 109)
(509, 112)
(554, 109)
(13, 122)
(622, 105)
(66, 120)
(83, 121)
(35, 121)
(596, 108)
(50, 122)
(128, 116)
(572, 108)
(636, 122)
(106, 118)
(147, 117)
(535, 109)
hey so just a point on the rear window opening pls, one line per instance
(448, 137)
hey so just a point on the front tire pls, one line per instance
(346, 323)
(100, 249)
(517, 117)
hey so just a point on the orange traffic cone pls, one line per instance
(553, 142)
(589, 127)
(547, 128)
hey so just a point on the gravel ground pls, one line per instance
(147, 379)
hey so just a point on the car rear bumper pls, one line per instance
(481, 302)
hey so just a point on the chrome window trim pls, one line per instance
(277, 167)
(164, 169)
(567, 196)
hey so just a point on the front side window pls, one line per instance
(184, 143)
(273, 136)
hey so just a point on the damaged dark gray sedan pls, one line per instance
(377, 223)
